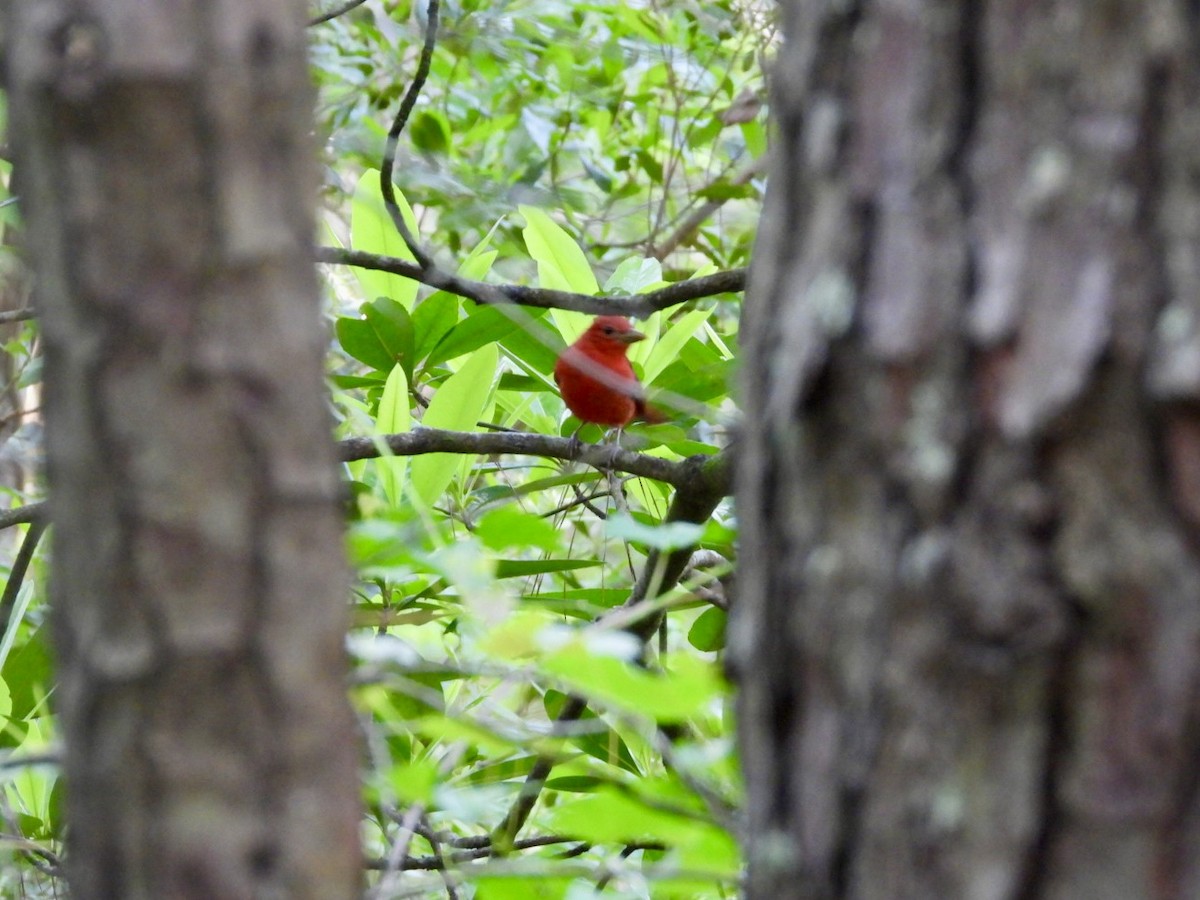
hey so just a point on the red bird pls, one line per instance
(596, 380)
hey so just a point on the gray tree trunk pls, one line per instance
(167, 178)
(968, 634)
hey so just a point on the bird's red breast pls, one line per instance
(595, 377)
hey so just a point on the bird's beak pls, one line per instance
(630, 337)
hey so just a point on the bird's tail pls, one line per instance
(651, 415)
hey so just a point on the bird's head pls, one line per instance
(614, 330)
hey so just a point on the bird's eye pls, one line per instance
(608, 329)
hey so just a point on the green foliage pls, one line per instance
(558, 145)
(562, 145)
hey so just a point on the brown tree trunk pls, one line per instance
(968, 635)
(168, 182)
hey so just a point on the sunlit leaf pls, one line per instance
(372, 231)
(394, 417)
(505, 528)
(456, 406)
(561, 264)
(708, 631)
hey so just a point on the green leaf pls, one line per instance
(394, 328)
(708, 631)
(724, 190)
(430, 132)
(651, 166)
(358, 338)
(612, 816)
(372, 231)
(507, 527)
(394, 417)
(599, 177)
(634, 275)
(594, 738)
(668, 536)
(666, 349)
(27, 672)
(485, 325)
(674, 695)
(561, 264)
(458, 404)
(521, 887)
(414, 782)
(755, 135)
(505, 770)
(432, 319)
(520, 568)
(531, 348)
(576, 784)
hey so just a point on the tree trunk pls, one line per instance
(198, 579)
(968, 633)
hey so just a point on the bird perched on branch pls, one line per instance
(596, 379)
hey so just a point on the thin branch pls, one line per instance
(639, 306)
(21, 515)
(23, 761)
(335, 12)
(16, 575)
(481, 848)
(436, 846)
(388, 166)
(434, 440)
(518, 814)
(708, 480)
(701, 213)
(17, 315)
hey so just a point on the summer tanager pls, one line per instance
(615, 399)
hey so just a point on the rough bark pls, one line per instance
(198, 581)
(968, 632)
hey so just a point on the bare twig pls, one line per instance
(708, 482)
(17, 315)
(387, 168)
(701, 213)
(30, 512)
(639, 306)
(602, 456)
(335, 12)
(16, 575)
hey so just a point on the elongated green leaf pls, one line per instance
(485, 325)
(595, 740)
(519, 568)
(394, 417)
(670, 696)
(561, 267)
(666, 349)
(458, 404)
(432, 319)
(609, 815)
(635, 275)
(536, 345)
(372, 231)
(561, 264)
(521, 887)
(506, 527)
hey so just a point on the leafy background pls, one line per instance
(601, 148)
